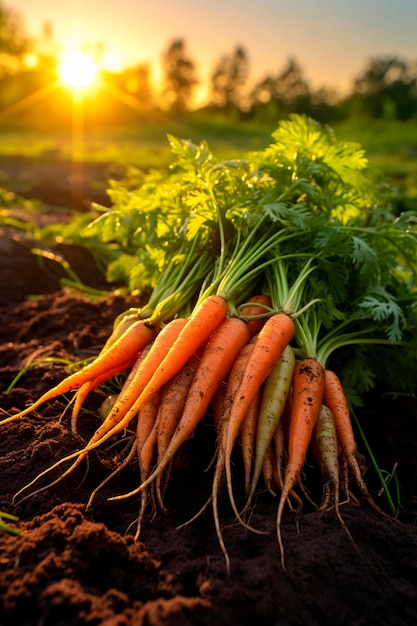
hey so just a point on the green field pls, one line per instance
(391, 146)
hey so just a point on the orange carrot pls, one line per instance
(146, 444)
(224, 401)
(216, 363)
(256, 305)
(146, 420)
(103, 413)
(215, 489)
(116, 419)
(278, 442)
(335, 399)
(223, 398)
(204, 320)
(125, 409)
(127, 346)
(247, 436)
(307, 398)
(270, 343)
(172, 404)
(272, 466)
(120, 326)
(269, 473)
(170, 410)
(216, 404)
(85, 389)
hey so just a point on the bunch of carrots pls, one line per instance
(281, 278)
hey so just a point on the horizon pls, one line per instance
(332, 44)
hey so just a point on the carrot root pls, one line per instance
(307, 399)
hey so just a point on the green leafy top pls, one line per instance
(306, 219)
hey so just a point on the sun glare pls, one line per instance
(78, 70)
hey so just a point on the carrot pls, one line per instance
(172, 404)
(222, 418)
(147, 416)
(280, 454)
(326, 448)
(216, 363)
(121, 324)
(195, 332)
(221, 403)
(170, 409)
(325, 436)
(215, 489)
(270, 343)
(335, 399)
(222, 415)
(269, 474)
(247, 436)
(119, 417)
(146, 444)
(233, 381)
(256, 305)
(85, 389)
(216, 405)
(278, 442)
(218, 412)
(125, 348)
(274, 397)
(125, 407)
(307, 398)
(204, 320)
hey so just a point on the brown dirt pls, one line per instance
(76, 566)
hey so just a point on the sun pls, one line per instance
(78, 70)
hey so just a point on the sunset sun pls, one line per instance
(78, 70)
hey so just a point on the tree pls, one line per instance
(228, 81)
(386, 88)
(14, 43)
(137, 81)
(288, 88)
(286, 92)
(179, 77)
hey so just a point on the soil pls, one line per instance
(76, 564)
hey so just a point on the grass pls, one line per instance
(391, 147)
(145, 145)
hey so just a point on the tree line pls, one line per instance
(387, 87)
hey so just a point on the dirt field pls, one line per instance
(75, 566)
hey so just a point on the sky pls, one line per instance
(332, 40)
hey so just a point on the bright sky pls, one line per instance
(331, 39)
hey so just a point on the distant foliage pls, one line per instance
(386, 89)
(229, 79)
(180, 77)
